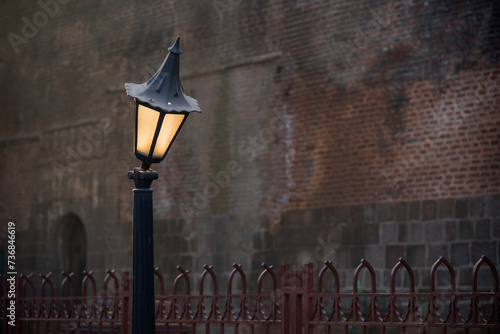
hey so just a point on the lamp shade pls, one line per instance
(161, 109)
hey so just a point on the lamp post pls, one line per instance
(161, 110)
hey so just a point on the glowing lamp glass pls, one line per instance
(155, 133)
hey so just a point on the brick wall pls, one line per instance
(308, 107)
(390, 102)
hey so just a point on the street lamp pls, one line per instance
(161, 110)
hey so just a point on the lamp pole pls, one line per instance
(161, 110)
(143, 303)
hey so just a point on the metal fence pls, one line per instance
(291, 302)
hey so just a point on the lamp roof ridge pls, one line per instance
(164, 90)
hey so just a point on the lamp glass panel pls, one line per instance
(169, 127)
(147, 119)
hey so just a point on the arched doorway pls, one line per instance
(72, 247)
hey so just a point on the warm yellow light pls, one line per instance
(169, 127)
(146, 126)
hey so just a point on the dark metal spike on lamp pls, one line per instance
(161, 110)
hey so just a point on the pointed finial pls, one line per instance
(175, 48)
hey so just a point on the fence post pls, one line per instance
(285, 299)
(307, 300)
(296, 291)
(125, 328)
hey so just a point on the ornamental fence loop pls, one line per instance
(299, 301)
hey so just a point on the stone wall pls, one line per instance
(461, 230)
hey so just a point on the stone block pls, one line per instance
(482, 229)
(220, 262)
(161, 227)
(343, 258)
(434, 231)
(401, 211)
(292, 218)
(336, 215)
(358, 234)
(371, 235)
(392, 254)
(203, 225)
(357, 254)
(262, 220)
(460, 254)
(303, 237)
(403, 232)
(313, 217)
(207, 243)
(376, 256)
(346, 233)
(445, 208)
(496, 228)
(388, 233)
(357, 214)
(416, 232)
(176, 226)
(257, 241)
(450, 230)
(334, 234)
(180, 245)
(465, 229)
(281, 239)
(464, 277)
(461, 207)
(268, 240)
(493, 206)
(429, 210)
(414, 211)
(477, 207)
(370, 212)
(238, 239)
(415, 255)
(220, 223)
(385, 212)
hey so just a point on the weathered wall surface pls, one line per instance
(315, 113)
(461, 230)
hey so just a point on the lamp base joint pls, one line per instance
(143, 178)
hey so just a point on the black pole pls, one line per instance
(143, 302)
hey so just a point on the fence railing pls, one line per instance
(294, 302)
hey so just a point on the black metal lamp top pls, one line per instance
(164, 90)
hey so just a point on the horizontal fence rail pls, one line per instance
(292, 302)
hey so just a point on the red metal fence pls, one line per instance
(294, 302)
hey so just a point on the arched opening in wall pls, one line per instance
(72, 248)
